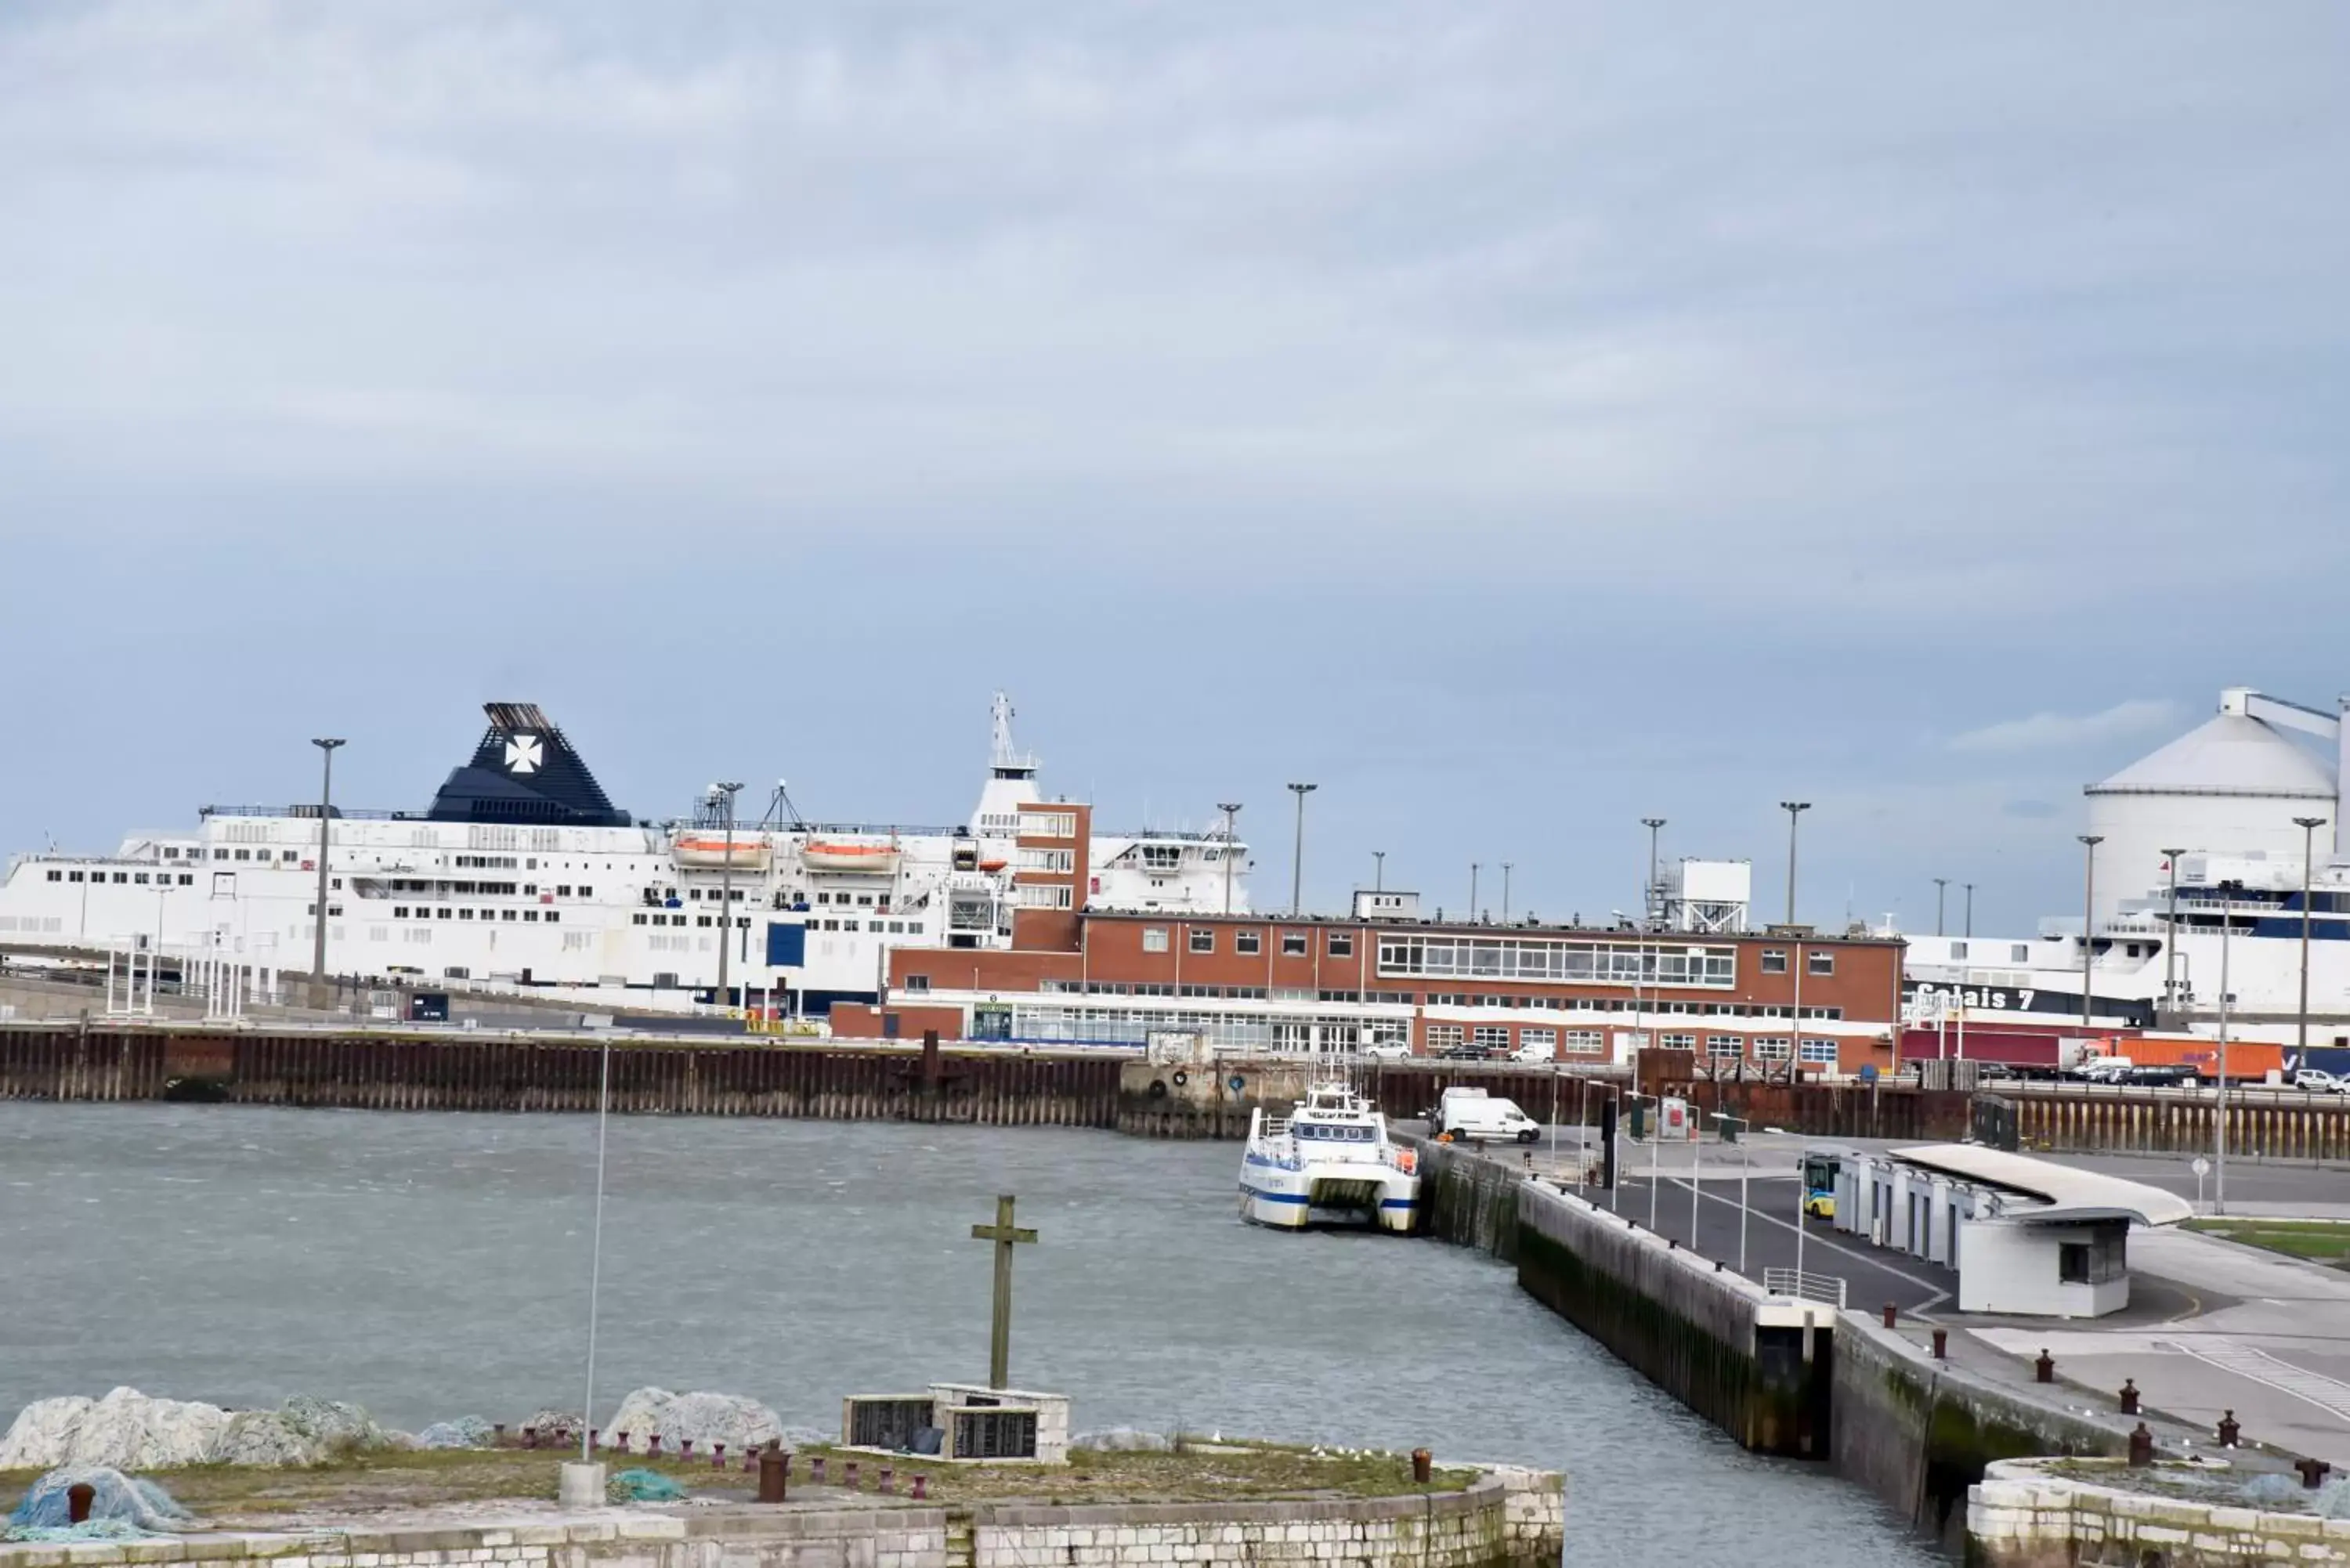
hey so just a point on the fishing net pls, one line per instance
(120, 1506)
(643, 1486)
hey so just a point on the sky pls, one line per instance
(1514, 419)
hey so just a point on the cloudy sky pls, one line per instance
(1517, 419)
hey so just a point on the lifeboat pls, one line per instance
(998, 864)
(866, 859)
(750, 850)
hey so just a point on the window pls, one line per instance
(1678, 1041)
(633, 919)
(1772, 1049)
(588, 892)
(1341, 944)
(503, 914)
(1203, 939)
(1444, 1036)
(399, 911)
(1048, 824)
(1491, 1036)
(1820, 963)
(1530, 1036)
(1725, 1047)
(1051, 896)
(918, 982)
(1154, 939)
(1958, 952)
(1774, 961)
(2019, 952)
(186, 880)
(1820, 1052)
(141, 878)
(1248, 941)
(56, 876)
(703, 921)
(1585, 1040)
(1059, 862)
(1293, 944)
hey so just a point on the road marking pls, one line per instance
(2330, 1395)
(1939, 1295)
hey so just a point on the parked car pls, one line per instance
(1534, 1054)
(2321, 1081)
(1386, 1050)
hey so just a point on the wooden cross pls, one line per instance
(1005, 1234)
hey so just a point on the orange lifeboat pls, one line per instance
(749, 852)
(998, 864)
(866, 859)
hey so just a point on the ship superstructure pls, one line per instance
(523, 874)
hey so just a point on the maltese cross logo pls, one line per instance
(523, 755)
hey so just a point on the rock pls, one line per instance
(333, 1425)
(125, 1431)
(554, 1429)
(264, 1437)
(115, 1498)
(464, 1432)
(700, 1419)
(1123, 1440)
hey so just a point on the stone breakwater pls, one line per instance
(2021, 1516)
(1507, 1518)
(127, 1430)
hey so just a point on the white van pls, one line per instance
(1473, 1115)
(1534, 1054)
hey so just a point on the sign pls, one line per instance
(1672, 1118)
(2201, 1168)
(2032, 1001)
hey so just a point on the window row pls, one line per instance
(129, 878)
(1560, 962)
(1774, 962)
(428, 912)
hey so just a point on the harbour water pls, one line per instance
(434, 1265)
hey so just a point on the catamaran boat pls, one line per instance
(1328, 1162)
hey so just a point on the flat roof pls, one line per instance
(2070, 1194)
(1431, 925)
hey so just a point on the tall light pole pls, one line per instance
(1941, 886)
(320, 996)
(1649, 906)
(1505, 892)
(1297, 858)
(1970, 910)
(2309, 827)
(2170, 941)
(726, 792)
(2089, 842)
(2219, 1119)
(1378, 871)
(1794, 810)
(1232, 810)
(1473, 889)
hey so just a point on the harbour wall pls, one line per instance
(1508, 1519)
(1758, 1367)
(2260, 1125)
(2023, 1517)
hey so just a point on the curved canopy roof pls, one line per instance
(2071, 1194)
(2229, 754)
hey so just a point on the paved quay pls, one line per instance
(2213, 1325)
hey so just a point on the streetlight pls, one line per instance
(725, 792)
(1505, 892)
(1297, 859)
(595, 1254)
(1232, 810)
(1473, 889)
(1941, 886)
(2219, 1119)
(1794, 810)
(1971, 908)
(1726, 1118)
(1649, 906)
(1378, 871)
(2309, 827)
(2170, 941)
(1659, 1104)
(2089, 842)
(318, 993)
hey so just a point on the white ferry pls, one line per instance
(1329, 1162)
(523, 875)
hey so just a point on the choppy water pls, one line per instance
(433, 1265)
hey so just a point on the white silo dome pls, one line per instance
(2233, 785)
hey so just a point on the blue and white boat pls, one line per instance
(1328, 1162)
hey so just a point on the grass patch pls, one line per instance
(2319, 1241)
(392, 1481)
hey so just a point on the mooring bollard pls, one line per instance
(717, 1456)
(2141, 1447)
(888, 1481)
(772, 1479)
(2045, 1369)
(78, 1499)
(685, 1448)
(624, 1443)
(593, 1433)
(921, 1487)
(1941, 1344)
(815, 1469)
(530, 1436)
(2129, 1396)
(750, 1457)
(498, 1435)
(849, 1475)
(2313, 1472)
(1422, 1467)
(1889, 1311)
(2230, 1428)
(652, 1446)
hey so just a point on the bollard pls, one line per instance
(652, 1446)
(1941, 1344)
(685, 1448)
(849, 1475)
(624, 1443)
(2230, 1428)
(922, 1486)
(592, 1435)
(816, 1470)
(1421, 1466)
(1889, 1311)
(2313, 1472)
(717, 1456)
(78, 1499)
(498, 1435)
(772, 1479)
(2129, 1396)
(750, 1457)
(2141, 1447)
(530, 1436)
(888, 1481)
(774, 1445)
(2045, 1369)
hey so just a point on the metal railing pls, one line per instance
(1828, 1288)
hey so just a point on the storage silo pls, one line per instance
(2233, 785)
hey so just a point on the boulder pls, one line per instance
(264, 1437)
(464, 1432)
(333, 1425)
(126, 1430)
(556, 1429)
(700, 1419)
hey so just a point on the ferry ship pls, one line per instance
(1328, 1162)
(522, 875)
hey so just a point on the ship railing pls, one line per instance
(1828, 1288)
(869, 829)
(309, 809)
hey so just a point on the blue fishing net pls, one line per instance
(642, 1486)
(119, 1506)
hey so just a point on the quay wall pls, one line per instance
(2023, 1517)
(1920, 1433)
(1756, 1365)
(1508, 1519)
(2260, 1125)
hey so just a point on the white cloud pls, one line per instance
(2051, 731)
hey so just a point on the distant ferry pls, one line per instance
(522, 875)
